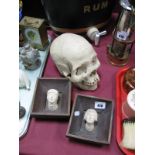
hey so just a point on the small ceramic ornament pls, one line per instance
(34, 31)
(30, 57)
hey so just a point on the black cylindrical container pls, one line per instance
(77, 16)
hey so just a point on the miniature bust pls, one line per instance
(30, 57)
(90, 117)
(52, 99)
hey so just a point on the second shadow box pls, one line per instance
(40, 108)
(77, 128)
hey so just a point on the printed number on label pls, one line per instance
(122, 35)
(100, 105)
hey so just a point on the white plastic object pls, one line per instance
(94, 34)
(24, 81)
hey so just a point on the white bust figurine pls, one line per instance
(90, 117)
(52, 99)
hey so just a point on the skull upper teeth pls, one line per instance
(91, 83)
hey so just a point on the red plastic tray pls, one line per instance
(120, 99)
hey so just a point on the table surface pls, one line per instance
(47, 137)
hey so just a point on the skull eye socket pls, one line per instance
(81, 70)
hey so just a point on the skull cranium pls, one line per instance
(76, 59)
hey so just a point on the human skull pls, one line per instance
(90, 117)
(76, 59)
